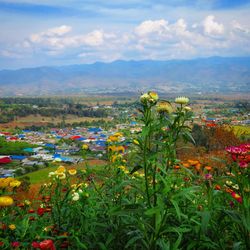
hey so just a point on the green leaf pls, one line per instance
(177, 208)
(205, 218)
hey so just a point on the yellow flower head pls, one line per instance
(118, 134)
(115, 158)
(15, 183)
(61, 176)
(136, 142)
(12, 227)
(60, 169)
(85, 147)
(6, 201)
(4, 182)
(113, 138)
(153, 96)
(187, 108)
(182, 100)
(72, 171)
(144, 98)
(164, 107)
(27, 202)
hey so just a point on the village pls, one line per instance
(64, 144)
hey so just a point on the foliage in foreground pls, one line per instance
(144, 199)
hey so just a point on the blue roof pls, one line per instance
(17, 157)
(50, 145)
(94, 130)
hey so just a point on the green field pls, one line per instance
(41, 176)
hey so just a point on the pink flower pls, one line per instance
(15, 244)
(243, 164)
(208, 177)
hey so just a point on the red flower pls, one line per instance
(1, 243)
(47, 245)
(15, 244)
(236, 197)
(40, 211)
(35, 244)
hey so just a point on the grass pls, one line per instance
(40, 176)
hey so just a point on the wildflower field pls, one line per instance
(144, 197)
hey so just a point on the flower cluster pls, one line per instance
(240, 154)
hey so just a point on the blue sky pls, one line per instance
(60, 32)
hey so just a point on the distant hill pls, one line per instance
(214, 74)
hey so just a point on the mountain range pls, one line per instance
(203, 75)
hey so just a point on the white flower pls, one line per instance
(229, 183)
(236, 186)
(182, 100)
(144, 98)
(51, 174)
(75, 197)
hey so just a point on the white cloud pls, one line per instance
(94, 38)
(211, 27)
(148, 27)
(152, 39)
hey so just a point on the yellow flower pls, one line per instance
(182, 100)
(61, 176)
(136, 142)
(113, 138)
(72, 171)
(5, 182)
(27, 202)
(164, 106)
(12, 227)
(6, 201)
(115, 158)
(60, 169)
(85, 147)
(187, 108)
(153, 96)
(15, 183)
(118, 134)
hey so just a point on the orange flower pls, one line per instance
(177, 167)
(186, 165)
(198, 166)
(208, 168)
(217, 187)
(193, 162)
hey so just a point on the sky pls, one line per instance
(62, 32)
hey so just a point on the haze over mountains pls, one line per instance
(214, 74)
